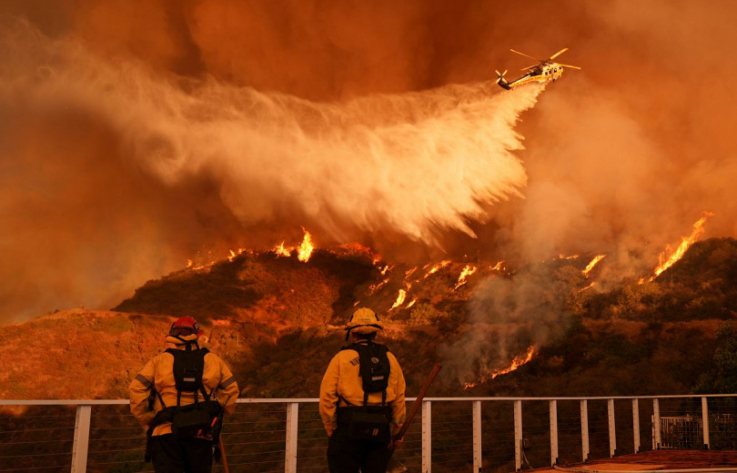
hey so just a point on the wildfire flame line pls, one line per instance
(234, 254)
(585, 288)
(400, 299)
(437, 268)
(468, 270)
(593, 263)
(375, 287)
(516, 363)
(665, 262)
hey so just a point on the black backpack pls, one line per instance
(370, 423)
(201, 417)
(374, 368)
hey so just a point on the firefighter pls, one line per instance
(362, 400)
(180, 397)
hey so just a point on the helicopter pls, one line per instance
(545, 71)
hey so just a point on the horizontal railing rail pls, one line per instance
(269, 435)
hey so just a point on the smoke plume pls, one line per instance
(415, 163)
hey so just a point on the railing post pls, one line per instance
(705, 417)
(518, 439)
(290, 456)
(612, 428)
(477, 459)
(81, 439)
(426, 436)
(636, 423)
(585, 430)
(553, 433)
(656, 425)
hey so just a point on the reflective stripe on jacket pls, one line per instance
(159, 373)
(343, 379)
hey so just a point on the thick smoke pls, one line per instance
(621, 163)
(415, 163)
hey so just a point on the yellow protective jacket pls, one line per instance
(159, 374)
(343, 380)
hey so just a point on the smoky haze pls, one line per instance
(134, 137)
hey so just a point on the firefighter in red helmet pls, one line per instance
(180, 397)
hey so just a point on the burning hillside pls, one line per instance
(278, 320)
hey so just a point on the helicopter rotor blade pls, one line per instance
(529, 67)
(569, 66)
(526, 55)
(557, 54)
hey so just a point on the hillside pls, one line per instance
(277, 321)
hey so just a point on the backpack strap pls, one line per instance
(161, 399)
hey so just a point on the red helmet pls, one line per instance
(185, 326)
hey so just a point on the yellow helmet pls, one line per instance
(364, 320)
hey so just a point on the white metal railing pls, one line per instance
(475, 426)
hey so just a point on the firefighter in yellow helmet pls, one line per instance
(362, 400)
(180, 396)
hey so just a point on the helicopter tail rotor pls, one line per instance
(500, 76)
(501, 80)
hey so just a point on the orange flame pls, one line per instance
(587, 287)
(593, 263)
(385, 269)
(400, 299)
(437, 268)
(411, 303)
(499, 266)
(516, 363)
(305, 248)
(375, 287)
(234, 254)
(282, 251)
(665, 262)
(467, 271)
